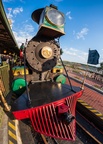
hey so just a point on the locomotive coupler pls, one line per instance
(64, 114)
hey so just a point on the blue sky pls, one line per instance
(83, 25)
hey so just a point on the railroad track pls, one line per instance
(87, 131)
(83, 137)
(91, 124)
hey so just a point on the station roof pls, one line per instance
(7, 40)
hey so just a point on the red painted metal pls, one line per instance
(21, 54)
(62, 109)
(44, 118)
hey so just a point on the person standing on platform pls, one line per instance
(21, 52)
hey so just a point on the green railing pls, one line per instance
(4, 76)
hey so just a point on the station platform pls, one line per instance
(92, 97)
(3, 127)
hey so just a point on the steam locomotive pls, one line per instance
(42, 95)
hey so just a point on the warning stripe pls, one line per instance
(97, 113)
(12, 135)
(12, 125)
(10, 142)
(12, 138)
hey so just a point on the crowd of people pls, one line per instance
(8, 59)
(12, 59)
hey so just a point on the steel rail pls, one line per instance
(89, 128)
(95, 140)
(44, 139)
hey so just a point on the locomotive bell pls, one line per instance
(50, 20)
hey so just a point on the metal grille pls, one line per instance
(44, 120)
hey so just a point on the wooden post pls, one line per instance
(2, 98)
(82, 87)
(7, 108)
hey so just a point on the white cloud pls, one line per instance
(74, 55)
(73, 49)
(69, 51)
(9, 15)
(22, 35)
(11, 12)
(82, 33)
(68, 15)
(17, 10)
(29, 28)
(26, 31)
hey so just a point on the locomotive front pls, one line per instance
(43, 50)
(49, 104)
